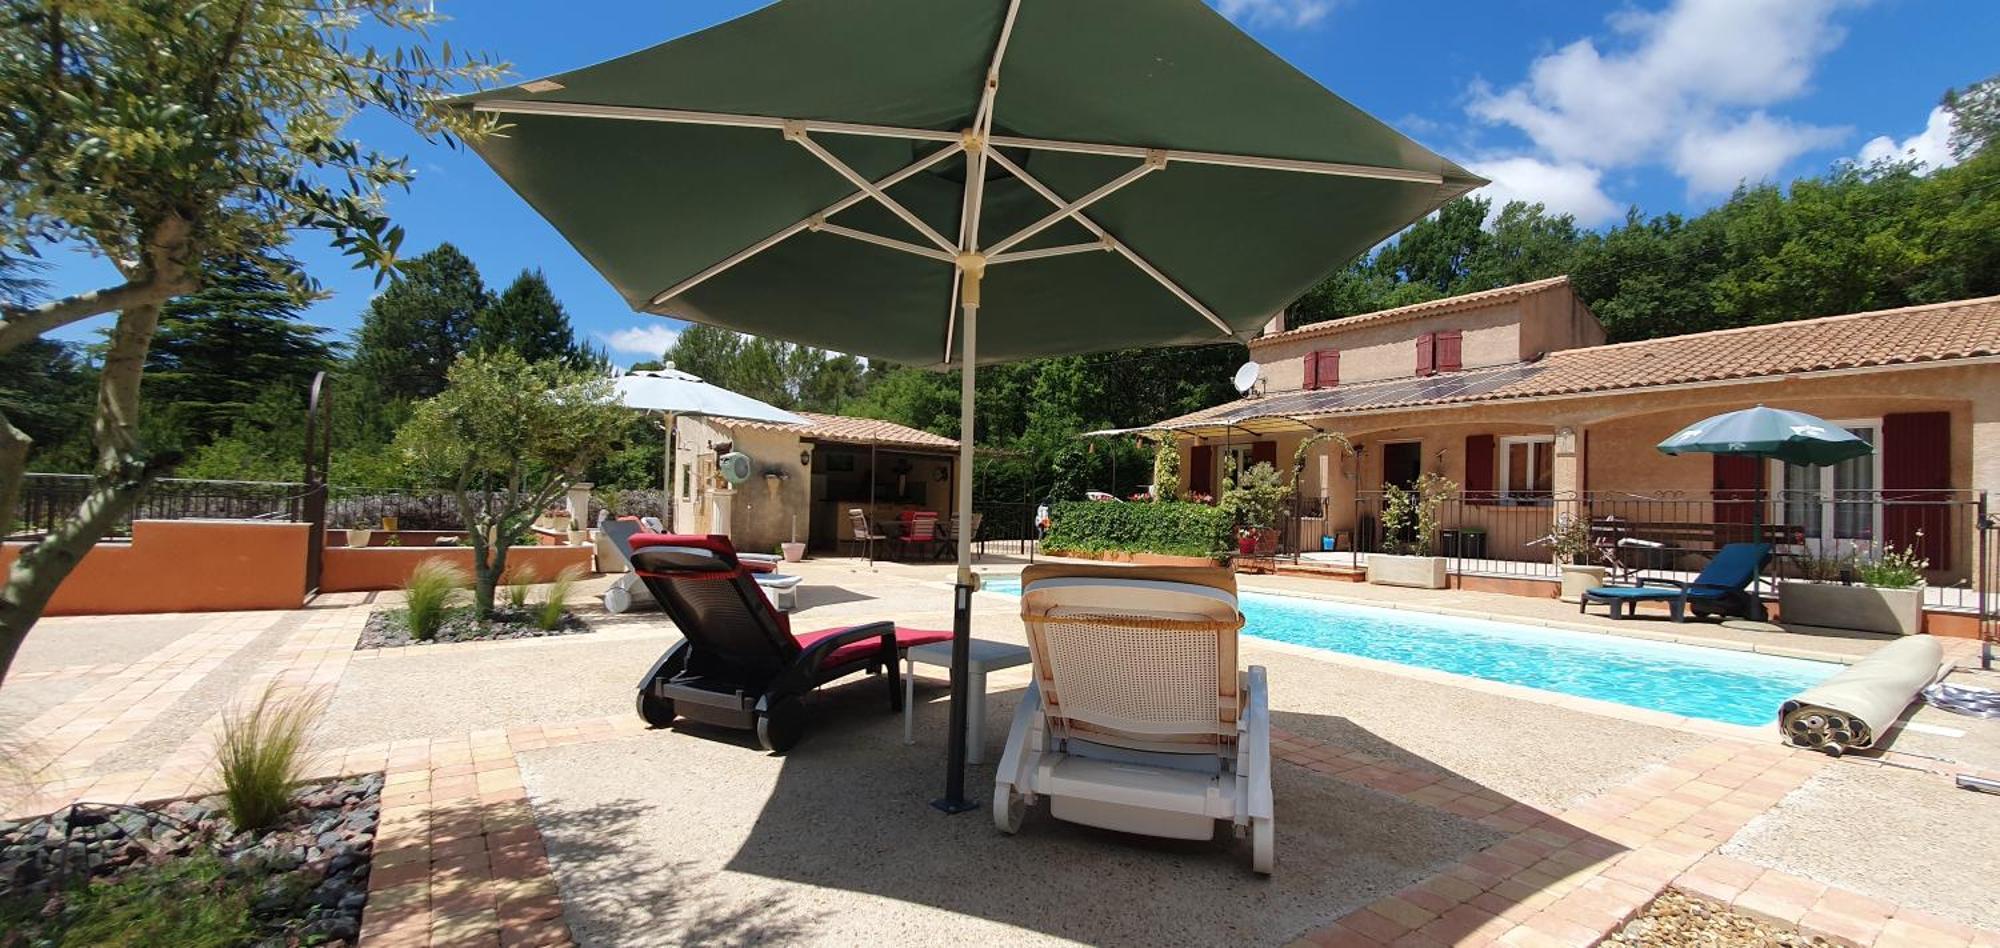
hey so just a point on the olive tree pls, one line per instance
(506, 436)
(170, 136)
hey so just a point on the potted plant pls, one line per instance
(1570, 544)
(1410, 534)
(1889, 596)
(793, 551)
(1256, 501)
(359, 534)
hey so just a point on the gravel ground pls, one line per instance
(389, 628)
(448, 691)
(672, 837)
(1679, 920)
(64, 641)
(1887, 832)
(165, 733)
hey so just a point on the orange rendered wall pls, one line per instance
(186, 566)
(374, 568)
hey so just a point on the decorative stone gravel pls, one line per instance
(386, 628)
(1679, 920)
(313, 868)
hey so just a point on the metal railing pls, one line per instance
(1816, 534)
(48, 498)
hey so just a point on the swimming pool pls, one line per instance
(1715, 684)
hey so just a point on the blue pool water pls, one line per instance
(1716, 684)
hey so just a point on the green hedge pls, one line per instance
(1178, 529)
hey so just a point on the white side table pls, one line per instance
(983, 657)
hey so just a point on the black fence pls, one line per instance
(1816, 534)
(1007, 527)
(48, 498)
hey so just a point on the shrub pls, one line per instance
(1257, 500)
(1410, 517)
(263, 755)
(520, 580)
(1179, 529)
(549, 612)
(1894, 568)
(1167, 471)
(429, 593)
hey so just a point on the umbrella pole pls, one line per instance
(954, 800)
(667, 478)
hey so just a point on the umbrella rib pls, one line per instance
(1117, 245)
(869, 188)
(836, 207)
(881, 241)
(1153, 163)
(685, 117)
(1037, 254)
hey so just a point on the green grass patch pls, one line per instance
(196, 902)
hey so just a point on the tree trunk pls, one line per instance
(121, 474)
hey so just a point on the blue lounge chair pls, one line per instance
(1721, 589)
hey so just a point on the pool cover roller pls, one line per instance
(1851, 709)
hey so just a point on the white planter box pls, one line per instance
(1863, 608)
(1423, 572)
(793, 552)
(1576, 580)
(358, 539)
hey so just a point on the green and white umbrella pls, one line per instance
(962, 182)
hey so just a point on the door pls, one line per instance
(1402, 463)
(1834, 506)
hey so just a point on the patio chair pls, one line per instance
(739, 664)
(920, 533)
(1138, 718)
(1722, 588)
(948, 535)
(861, 533)
(628, 591)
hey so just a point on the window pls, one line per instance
(1841, 497)
(1235, 459)
(1440, 352)
(1527, 469)
(1322, 368)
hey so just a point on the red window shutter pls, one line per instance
(1427, 354)
(1201, 469)
(1738, 483)
(1312, 370)
(1265, 452)
(1479, 468)
(1329, 368)
(1448, 349)
(1916, 479)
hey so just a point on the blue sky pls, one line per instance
(1588, 108)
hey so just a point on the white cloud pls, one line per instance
(647, 341)
(1687, 86)
(1575, 189)
(1715, 160)
(1293, 14)
(1932, 146)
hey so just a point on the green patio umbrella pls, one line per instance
(962, 182)
(1789, 436)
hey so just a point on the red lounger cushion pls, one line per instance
(869, 648)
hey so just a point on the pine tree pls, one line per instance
(527, 319)
(414, 330)
(220, 350)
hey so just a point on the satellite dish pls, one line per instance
(734, 467)
(1246, 377)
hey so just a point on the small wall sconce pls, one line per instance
(806, 457)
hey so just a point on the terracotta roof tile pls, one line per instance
(825, 427)
(1449, 304)
(1935, 332)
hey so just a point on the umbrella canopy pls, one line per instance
(678, 393)
(1789, 436)
(883, 178)
(729, 176)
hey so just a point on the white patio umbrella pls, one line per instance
(679, 394)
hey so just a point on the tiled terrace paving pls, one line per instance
(525, 805)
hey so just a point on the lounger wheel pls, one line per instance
(1263, 845)
(617, 599)
(780, 727)
(1008, 808)
(655, 710)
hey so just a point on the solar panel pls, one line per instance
(1364, 395)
